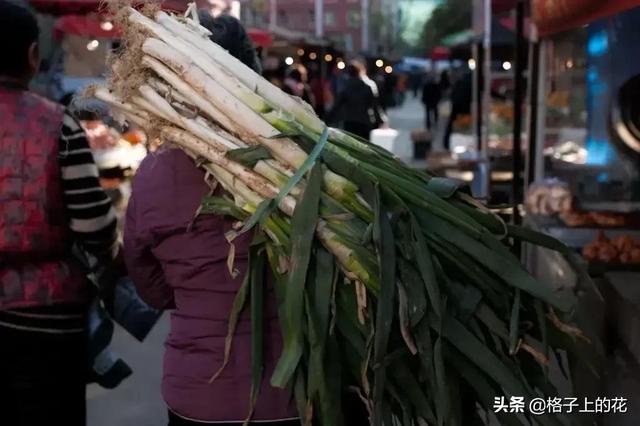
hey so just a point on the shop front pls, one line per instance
(584, 167)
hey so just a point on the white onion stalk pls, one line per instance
(187, 91)
(168, 91)
(229, 183)
(235, 69)
(188, 43)
(249, 177)
(135, 119)
(234, 185)
(146, 105)
(250, 79)
(276, 177)
(191, 56)
(171, 115)
(105, 96)
(245, 118)
(282, 148)
(221, 90)
(184, 60)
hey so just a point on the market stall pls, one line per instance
(584, 142)
(584, 167)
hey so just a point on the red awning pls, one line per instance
(81, 7)
(439, 53)
(95, 26)
(553, 16)
(260, 38)
(92, 26)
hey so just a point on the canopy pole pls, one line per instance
(516, 183)
(534, 88)
(486, 89)
(541, 124)
(476, 112)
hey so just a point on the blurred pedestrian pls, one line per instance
(296, 83)
(415, 80)
(50, 199)
(460, 103)
(388, 92)
(381, 118)
(356, 105)
(431, 96)
(401, 88)
(444, 83)
(321, 91)
(179, 263)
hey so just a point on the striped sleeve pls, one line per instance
(91, 215)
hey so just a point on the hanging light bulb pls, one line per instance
(93, 45)
(106, 26)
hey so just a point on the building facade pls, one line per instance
(342, 21)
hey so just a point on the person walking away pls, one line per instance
(295, 83)
(320, 90)
(378, 109)
(444, 83)
(431, 96)
(356, 104)
(402, 88)
(415, 81)
(179, 263)
(50, 199)
(460, 104)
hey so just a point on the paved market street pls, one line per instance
(137, 402)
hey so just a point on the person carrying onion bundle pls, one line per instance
(179, 263)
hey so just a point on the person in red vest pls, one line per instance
(50, 199)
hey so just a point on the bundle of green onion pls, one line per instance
(391, 284)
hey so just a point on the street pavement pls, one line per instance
(406, 118)
(411, 116)
(137, 401)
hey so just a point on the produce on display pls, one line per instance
(577, 218)
(391, 284)
(552, 197)
(623, 249)
(548, 198)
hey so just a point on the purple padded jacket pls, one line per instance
(180, 263)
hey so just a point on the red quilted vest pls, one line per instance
(34, 234)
